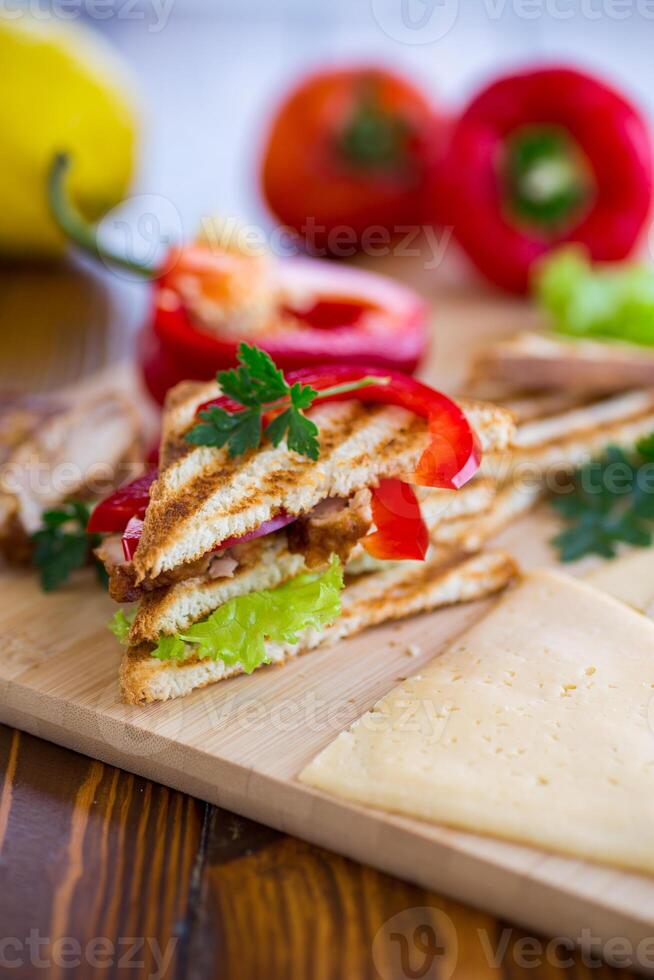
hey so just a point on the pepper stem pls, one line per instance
(373, 137)
(548, 180)
(76, 228)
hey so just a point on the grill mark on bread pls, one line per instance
(206, 482)
(166, 518)
(203, 496)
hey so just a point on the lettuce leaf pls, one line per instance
(121, 623)
(610, 301)
(237, 632)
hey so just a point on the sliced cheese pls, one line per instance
(537, 725)
(629, 578)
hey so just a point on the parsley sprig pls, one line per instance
(62, 544)
(611, 502)
(260, 387)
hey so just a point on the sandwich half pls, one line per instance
(57, 447)
(241, 561)
(545, 361)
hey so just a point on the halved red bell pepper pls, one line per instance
(342, 314)
(453, 455)
(541, 157)
(349, 316)
(401, 531)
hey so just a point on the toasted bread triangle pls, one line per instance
(203, 496)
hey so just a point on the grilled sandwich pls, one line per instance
(197, 557)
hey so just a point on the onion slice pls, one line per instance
(274, 524)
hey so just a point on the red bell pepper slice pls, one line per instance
(542, 157)
(401, 531)
(113, 514)
(453, 455)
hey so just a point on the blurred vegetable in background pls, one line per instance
(541, 157)
(350, 148)
(606, 301)
(61, 88)
(214, 293)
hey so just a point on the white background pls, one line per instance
(209, 72)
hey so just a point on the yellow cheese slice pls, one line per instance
(537, 725)
(629, 578)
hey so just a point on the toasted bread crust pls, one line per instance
(394, 593)
(462, 522)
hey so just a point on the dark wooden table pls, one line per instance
(101, 870)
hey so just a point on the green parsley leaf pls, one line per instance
(62, 544)
(260, 387)
(645, 447)
(611, 503)
(302, 396)
(239, 431)
(300, 432)
(257, 381)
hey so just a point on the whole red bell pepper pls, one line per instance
(542, 157)
(347, 153)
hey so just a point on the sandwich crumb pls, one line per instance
(413, 650)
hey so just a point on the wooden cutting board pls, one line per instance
(242, 743)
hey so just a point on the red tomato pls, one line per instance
(348, 151)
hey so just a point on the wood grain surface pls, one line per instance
(132, 871)
(97, 860)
